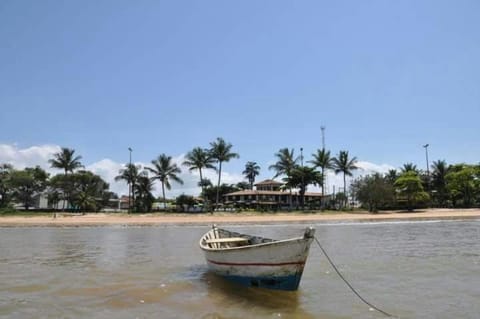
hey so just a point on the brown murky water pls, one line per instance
(411, 269)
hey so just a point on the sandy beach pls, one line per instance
(99, 219)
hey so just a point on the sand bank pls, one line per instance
(100, 219)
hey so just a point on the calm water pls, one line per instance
(411, 269)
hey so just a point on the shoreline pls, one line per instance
(111, 219)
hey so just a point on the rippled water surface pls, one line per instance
(410, 269)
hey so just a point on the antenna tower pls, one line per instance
(325, 181)
(323, 136)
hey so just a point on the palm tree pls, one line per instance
(199, 158)
(221, 152)
(409, 167)
(322, 160)
(242, 186)
(130, 175)
(252, 169)
(391, 176)
(343, 164)
(164, 170)
(143, 193)
(5, 171)
(409, 184)
(204, 183)
(302, 176)
(66, 160)
(286, 161)
(439, 172)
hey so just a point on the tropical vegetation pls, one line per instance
(345, 165)
(77, 189)
(221, 152)
(323, 160)
(165, 170)
(252, 170)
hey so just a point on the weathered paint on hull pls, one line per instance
(276, 265)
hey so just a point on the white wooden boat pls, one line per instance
(257, 261)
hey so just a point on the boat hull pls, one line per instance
(275, 265)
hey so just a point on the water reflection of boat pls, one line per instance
(257, 261)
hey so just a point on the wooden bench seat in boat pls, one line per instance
(226, 240)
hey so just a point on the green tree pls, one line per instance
(185, 202)
(210, 192)
(66, 160)
(324, 161)
(165, 170)
(200, 159)
(243, 185)
(5, 189)
(252, 169)
(130, 175)
(143, 193)
(462, 183)
(27, 184)
(90, 192)
(286, 161)
(59, 186)
(391, 176)
(373, 191)
(302, 176)
(439, 183)
(343, 164)
(221, 151)
(409, 185)
(409, 167)
(53, 197)
(284, 165)
(204, 183)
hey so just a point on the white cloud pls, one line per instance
(28, 157)
(368, 168)
(364, 168)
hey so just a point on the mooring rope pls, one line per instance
(348, 284)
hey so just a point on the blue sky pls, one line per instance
(384, 77)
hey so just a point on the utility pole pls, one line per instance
(129, 183)
(301, 156)
(303, 182)
(428, 170)
(323, 136)
(325, 181)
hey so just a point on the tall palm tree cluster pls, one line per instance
(299, 176)
(199, 158)
(163, 170)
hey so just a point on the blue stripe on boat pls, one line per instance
(278, 282)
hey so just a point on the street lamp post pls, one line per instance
(301, 155)
(129, 183)
(428, 170)
(303, 182)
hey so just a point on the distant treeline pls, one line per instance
(445, 185)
